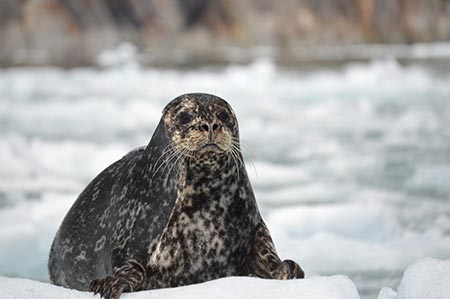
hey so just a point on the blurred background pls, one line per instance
(344, 110)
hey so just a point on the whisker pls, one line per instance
(236, 143)
(186, 154)
(180, 156)
(166, 156)
(163, 152)
(238, 151)
(232, 154)
(172, 156)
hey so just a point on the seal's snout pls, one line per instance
(209, 127)
(211, 130)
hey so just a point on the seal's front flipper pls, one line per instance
(288, 269)
(127, 278)
(109, 288)
(264, 261)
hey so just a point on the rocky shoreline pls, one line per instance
(179, 33)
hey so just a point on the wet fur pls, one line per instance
(170, 214)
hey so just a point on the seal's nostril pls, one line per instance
(215, 127)
(205, 127)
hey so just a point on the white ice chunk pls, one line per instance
(333, 287)
(387, 293)
(427, 278)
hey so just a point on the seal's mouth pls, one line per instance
(211, 144)
(210, 147)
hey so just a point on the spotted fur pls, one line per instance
(180, 211)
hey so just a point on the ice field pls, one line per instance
(350, 166)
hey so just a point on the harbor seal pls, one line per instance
(179, 211)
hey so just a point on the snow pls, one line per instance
(387, 293)
(333, 287)
(427, 278)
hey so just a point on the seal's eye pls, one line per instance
(185, 117)
(223, 116)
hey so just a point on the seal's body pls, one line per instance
(178, 212)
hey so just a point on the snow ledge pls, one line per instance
(333, 287)
(427, 278)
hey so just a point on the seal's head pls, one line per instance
(201, 126)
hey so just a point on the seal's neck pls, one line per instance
(200, 177)
(205, 192)
(207, 164)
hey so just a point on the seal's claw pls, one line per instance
(108, 288)
(288, 270)
(94, 286)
